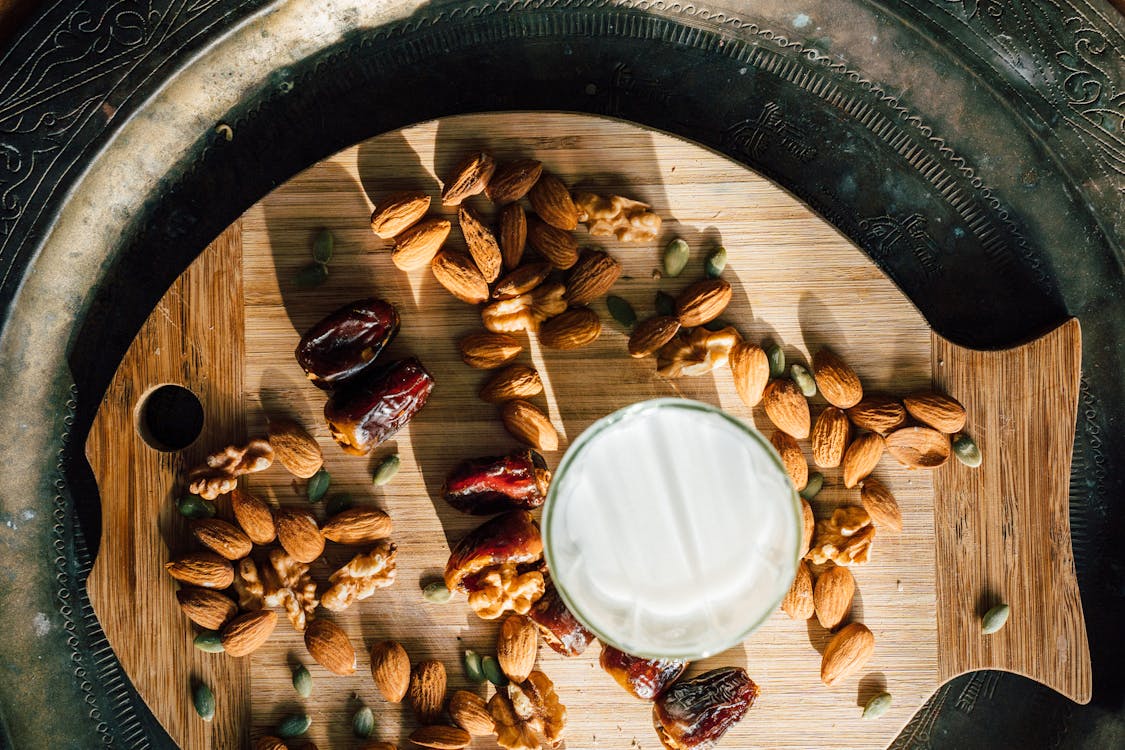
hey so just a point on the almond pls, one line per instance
(514, 381)
(485, 350)
(837, 382)
(809, 522)
(295, 448)
(575, 328)
(878, 413)
(460, 277)
(254, 516)
(792, 458)
(427, 690)
(246, 633)
(861, 457)
(329, 645)
(441, 737)
(526, 423)
(358, 526)
(787, 407)
(558, 247)
(398, 212)
(206, 608)
(298, 534)
(751, 370)
(919, 447)
(830, 437)
(832, 596)
(943, 413)
(517, 646)
(652, 334)
(417, 246)
(222, 538)
(512, 180)
(703, 301)
(522, 280)
(468, 178)
(881, 504)
(593, 275)
(481, 242)
(513, 234)
(798, 601)
(470, 712)
(390, 668)
(847, 653)
(205, 569)
(269, 743)
(551, 200)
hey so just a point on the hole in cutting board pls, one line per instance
(169, 418)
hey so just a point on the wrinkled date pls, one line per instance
(364, 413)
(483, 486)
(345, 343)
(560, 628)
(512, 538)
(642, 678)
(694, 714)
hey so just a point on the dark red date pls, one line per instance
(483, 486)
(694, 714)
(510, 538)
(560, 628)
(642, 678)
(347, 342)
(366, 412)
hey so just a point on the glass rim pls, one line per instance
(615, 417)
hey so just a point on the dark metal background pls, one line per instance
(973, 148)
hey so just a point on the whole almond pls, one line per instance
(832, 596)
(522, 280)
(650, 335)
(751, 370)
(861, 457)
(847, 653)
(575, 328)
(881, 505)
(512, 180)
(205, 607)
(558, 247)
(205, 569)
(919, 447)
(878, 413)
(481, 242)
(943, 413)
(470, 712)
(837, 382)
(787, 407)
(513, 234)
(517, 646)
(298, 534)
(798, 601)
(427, 690)
(295, 448)
(514, 381)
(246, 633)
(329, 645)
(390, 668)
(223, 538)
(809, 526)
(526, 423)
(468, 178)
(441, 737)
(593, 275)
(417, 246)
(486, 350)
(358, 526)
(830, 437)
(460, 276)
(398, 212)
(551, 200)
(703, 301)
(254, 516)
(792, 457)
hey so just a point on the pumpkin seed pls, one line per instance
(436, 593)
(311, 275)
(621, 310)
(363, 723)
(492, 671)
(813, 485)
(338, 503)
(994, 619)
(676, 257)
(323, 245)
(877, 706)
(193, 506)
(204, 701)
(665, 304)
(302, 681)
(386, 470)
(209, 641)
(776, 356)
(294, 725)
(804, 380)
(318, 485)
(966, 450)
(473, 667)
(716, 262)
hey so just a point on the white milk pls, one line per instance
(671, 529)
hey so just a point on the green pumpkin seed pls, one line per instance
(804, 380)
(716, 262)
(994, 619)
(436, 593)
(665, 304)
(302, 681)
(204, 701)
(966, 450)
(877, 706)
(311, 275)
(294, 726)
(318, 485)
(621, 310)
(338, 503)
(386, 470)
(492, 671)
(323, 245)
(363, 723)
(676, 257)
(473, 667)
(813, 486)
(193, 506)
(776, 356)
(209, 641)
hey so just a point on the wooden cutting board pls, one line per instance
(227, 328)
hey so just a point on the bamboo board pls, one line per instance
(796, 281)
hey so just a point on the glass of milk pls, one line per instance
(671, 529)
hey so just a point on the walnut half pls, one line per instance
(219, 473)
(525, 312)
(845, 538)
(361, 577)
(614, 216)
(696, 353)
(529, 715)
(502, 588)
(284, 582)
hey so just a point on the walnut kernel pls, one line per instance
(361, 577)
(219, 473)
(502, 588)
(616, 216)
(845, 538)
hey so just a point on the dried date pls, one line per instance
(694, 714)
(561, 630)
(512, 538)
(483, 486)
(642, 678)
(347, 341)
(370, 410)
